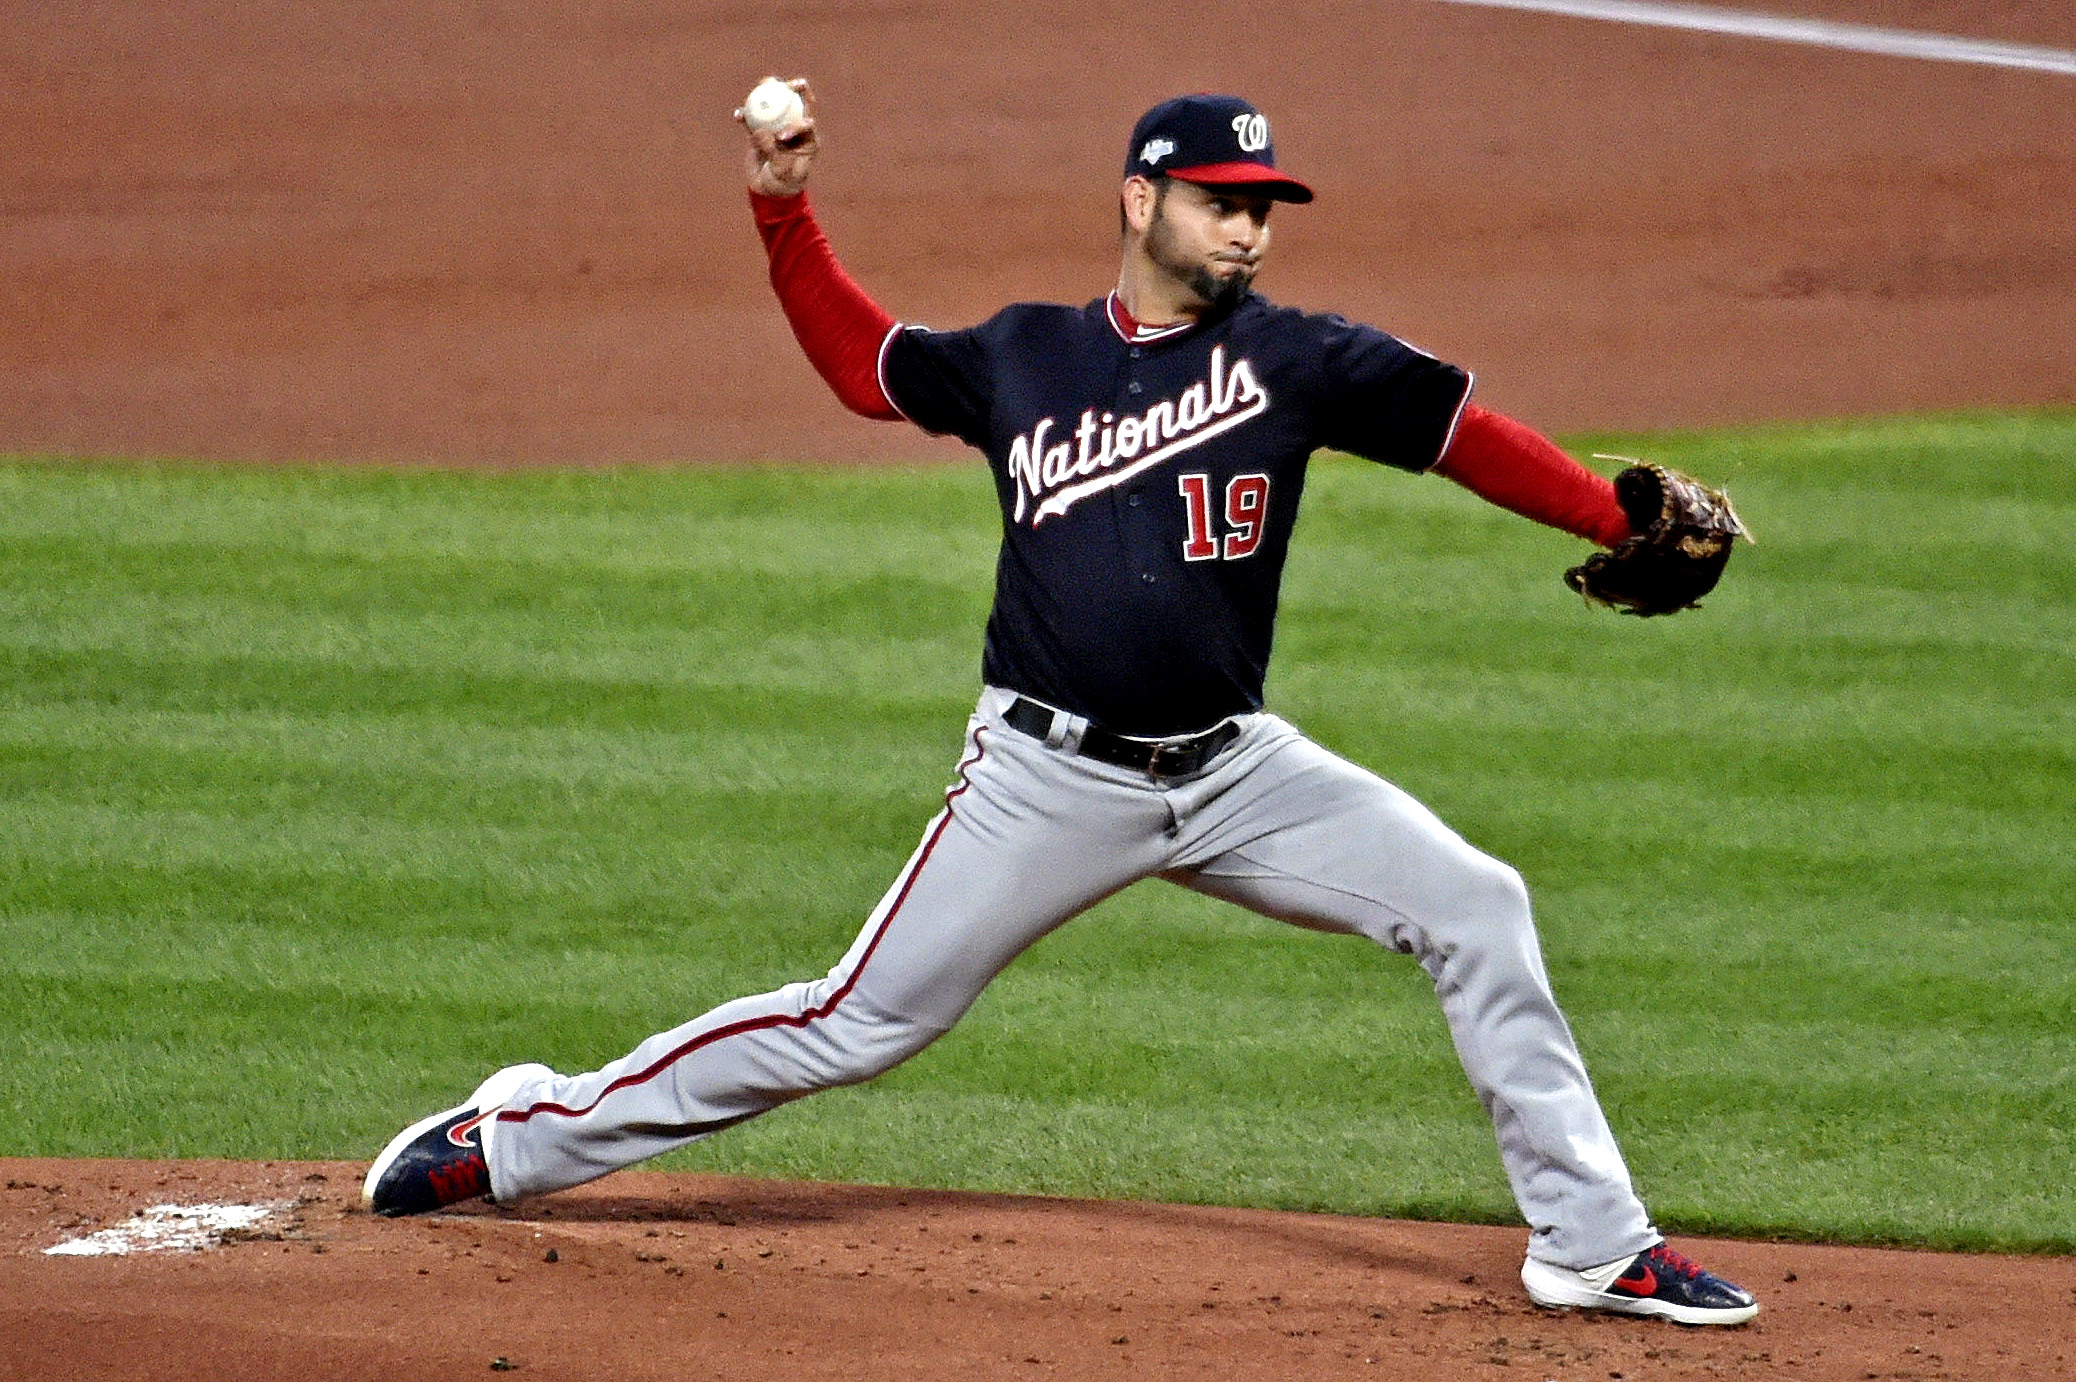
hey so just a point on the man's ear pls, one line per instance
(1137, 199)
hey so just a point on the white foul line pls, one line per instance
(1821, 33)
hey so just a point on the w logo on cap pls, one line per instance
(1213, 141)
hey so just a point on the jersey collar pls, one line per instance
(1137, 333)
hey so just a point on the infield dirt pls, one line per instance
(655, 1276)
(512, 231)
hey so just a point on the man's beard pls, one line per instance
(1217, 293)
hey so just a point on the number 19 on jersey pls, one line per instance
(1246, 509)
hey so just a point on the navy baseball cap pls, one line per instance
(1218, 141)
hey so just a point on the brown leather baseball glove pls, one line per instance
(1682, 532)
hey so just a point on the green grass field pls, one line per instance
(327, 791)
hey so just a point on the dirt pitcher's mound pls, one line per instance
(514, 230)
(650, 1275)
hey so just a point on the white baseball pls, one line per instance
(772, 105)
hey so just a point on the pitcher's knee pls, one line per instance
(1496, 891)
(1485, 909)
(854, 1044)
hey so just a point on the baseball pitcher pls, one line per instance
(1149, 452)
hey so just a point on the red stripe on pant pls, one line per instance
(758, 1024)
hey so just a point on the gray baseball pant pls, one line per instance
(1032, 835)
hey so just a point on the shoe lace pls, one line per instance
(1664, 1256)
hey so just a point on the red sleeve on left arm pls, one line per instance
(1517, 468)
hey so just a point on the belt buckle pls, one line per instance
(1183, 753)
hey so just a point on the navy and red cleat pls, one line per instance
(438, 1160)
(1657, 1282)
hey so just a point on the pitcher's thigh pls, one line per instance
(1335, 847)
(1028, 845)
(955, 921)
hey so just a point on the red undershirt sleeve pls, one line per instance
(838, 326)
(1517, 468)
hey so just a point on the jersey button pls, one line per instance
(1134, 387)
(1133, 499)
(1136, 352)
(1148, 577)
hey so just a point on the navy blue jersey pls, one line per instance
(1149, 485)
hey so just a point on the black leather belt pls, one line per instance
(1161, 758)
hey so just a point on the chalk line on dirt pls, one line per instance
(170, 1228)
(1819, 33)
